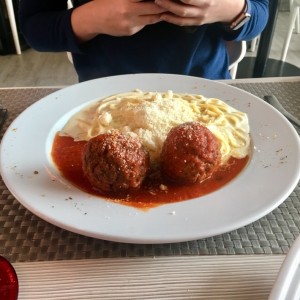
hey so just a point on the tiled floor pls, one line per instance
(281, 29)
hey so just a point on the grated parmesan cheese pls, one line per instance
(151, 115)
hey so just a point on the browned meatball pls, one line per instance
(114, 162)
(191, 153)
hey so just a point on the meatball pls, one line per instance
(190, 153)
(115, 162)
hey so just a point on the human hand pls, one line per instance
(116, 18)
(199, 12)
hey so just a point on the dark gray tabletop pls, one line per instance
(26, 237)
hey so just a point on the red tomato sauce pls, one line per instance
(67, 155)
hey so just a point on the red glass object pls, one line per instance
(9, 285)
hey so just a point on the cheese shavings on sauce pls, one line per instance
(151, 115)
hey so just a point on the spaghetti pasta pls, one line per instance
(151, 115)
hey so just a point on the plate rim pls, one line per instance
(149, 239)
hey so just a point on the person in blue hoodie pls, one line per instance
(114, 37)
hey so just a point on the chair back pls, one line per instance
(70, 4)
(236, 52)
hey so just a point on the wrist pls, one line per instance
(82, 22)
(240, 19)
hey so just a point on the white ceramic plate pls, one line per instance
(267, 181)
(287, 283)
